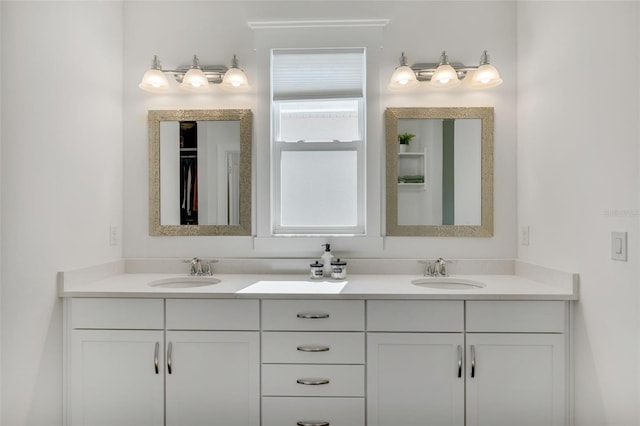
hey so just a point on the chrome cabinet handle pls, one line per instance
(312, 315)
(169, 356)
(312, 423)
(313, 382)
(313, 348)
(473, 361)
(459, 361)
(155, 358)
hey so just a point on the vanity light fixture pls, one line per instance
(447, 75)
(486, 75)
(195, 78)
(235, 79)
(444, 76)
(403, 76)
(154, 79)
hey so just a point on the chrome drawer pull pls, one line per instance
(459, 361)
(313, 382)
(473, 361)
(312, 348)
(312, 423)
(155, 358)
(312, 315)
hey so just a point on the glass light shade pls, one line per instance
(485, 76)
(403, 78)
(195, 81)
(154, 81)
(444, 76)
(235, 80)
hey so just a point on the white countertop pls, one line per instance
(356, 286)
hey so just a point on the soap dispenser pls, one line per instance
(326, 260)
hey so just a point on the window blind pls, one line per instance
(317, 73)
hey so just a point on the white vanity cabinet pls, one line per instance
(116, 373)
(492, 362)
(516, 363)
(313, 354)
(415, 363)
(133, 360)
(114, 380)
(316, 362)
(212, 376)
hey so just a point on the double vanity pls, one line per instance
(157, 348)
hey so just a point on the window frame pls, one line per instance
(279, 146)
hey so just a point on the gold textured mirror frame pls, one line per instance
(244, 116)
(485, 229)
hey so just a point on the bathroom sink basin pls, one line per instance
(445, 283)
(184, 282)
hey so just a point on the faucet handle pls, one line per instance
(430, 270)
(196, 266)
(207, 268)
(428, 267)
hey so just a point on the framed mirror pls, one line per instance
(440, 179)
(200, 172)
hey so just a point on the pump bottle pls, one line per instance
(326, 260)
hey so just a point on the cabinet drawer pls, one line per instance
(212, 314)
(313, 347)
(516, 316)
(415, 315)
(319, 315)
(106, 313)
(312, 380)
(312, 411)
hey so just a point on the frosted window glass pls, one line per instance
(319, 188)
(329, 120)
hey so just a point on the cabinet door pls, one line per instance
(114, 379)
(415, 379)
(515, 379)
(213, 378)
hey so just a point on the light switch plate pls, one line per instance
(619, 246)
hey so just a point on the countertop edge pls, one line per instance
(527, 282)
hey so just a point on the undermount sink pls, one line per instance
(184, 282)
(446, 283)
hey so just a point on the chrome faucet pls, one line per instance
(437, 268)
(196, 267)
(200, 267)
(440, 268)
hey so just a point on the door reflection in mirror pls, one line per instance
(200, 180)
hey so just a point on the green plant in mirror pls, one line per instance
(405, 138)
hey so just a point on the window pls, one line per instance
(318, 142)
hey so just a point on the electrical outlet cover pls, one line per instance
(619, 246)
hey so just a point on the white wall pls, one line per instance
(61, 181)
(578, 162)
(577, 156)
(0, 214)
(177, 30)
